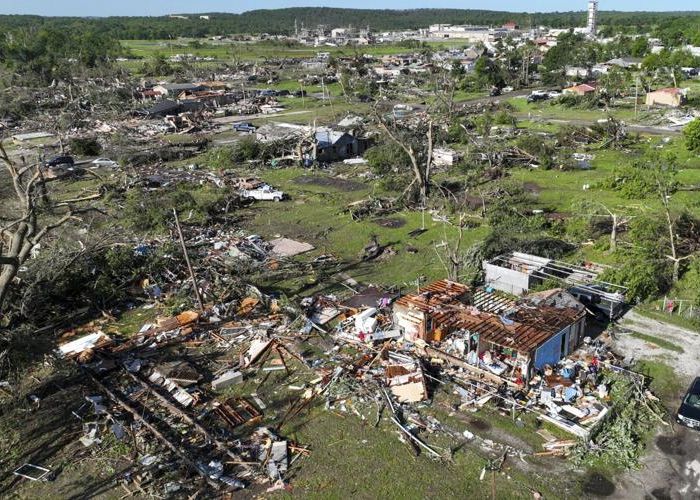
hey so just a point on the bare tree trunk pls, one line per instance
(428, 164)
(674, 254)
(26, 232)
(613, 233)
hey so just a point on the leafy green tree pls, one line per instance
(691, 133)
(457, 71)
(158, 65)
(387, 158)
(488, 72)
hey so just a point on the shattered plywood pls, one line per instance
(88, 342)
(285, 247)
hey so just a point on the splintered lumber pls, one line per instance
(238, 411)
(414, 438)
(172, 446)
(454, 360)
(560, 444)
(177, 411)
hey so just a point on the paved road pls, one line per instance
(642, 129)
(225, 120)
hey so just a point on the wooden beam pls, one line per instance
(137, 416)
(454, 360)
(180, 413)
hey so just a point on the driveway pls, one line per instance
(671, 467)
(686, 363)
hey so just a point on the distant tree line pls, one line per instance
(673, 28)
(49, 51)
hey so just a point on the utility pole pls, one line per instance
(187, 260)
(636, 95)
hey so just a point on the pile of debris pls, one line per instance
(378, 355)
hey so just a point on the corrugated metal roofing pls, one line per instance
(436, 295)
(454, 306)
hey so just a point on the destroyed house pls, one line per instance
(516, 273)
(176, 88)
(332, 145)
(271, 132)
(494, 332)
(414, 313)
(163, 108)
(212, 99)
(166, 107)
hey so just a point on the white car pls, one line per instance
(264, 192)
(104, 162)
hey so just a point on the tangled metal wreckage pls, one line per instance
(186, 379)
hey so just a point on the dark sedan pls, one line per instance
(689, 411)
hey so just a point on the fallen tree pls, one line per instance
(35, 216)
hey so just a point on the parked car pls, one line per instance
(689, 411)
(264, 192)
(104, 162)
(507, 89)
(244, 127)
(60, 160)
(537, 96)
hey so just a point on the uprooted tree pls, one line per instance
(416, 140)
(32, 216)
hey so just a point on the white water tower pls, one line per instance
(592, 18)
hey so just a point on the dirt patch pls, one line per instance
(479, 424)
(599, 485)
(532, 187)
(474, 202)
(332, 182)
(671, 445)
(685, 363)
(391, 222)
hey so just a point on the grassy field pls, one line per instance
(251, 51)
(349, 455)
(315, 213)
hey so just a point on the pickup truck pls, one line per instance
(264, 192)
(244, 127)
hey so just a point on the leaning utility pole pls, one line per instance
(187, 260)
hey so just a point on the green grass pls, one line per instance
(131, 321)
(665, 383)
(547, 110)
(249, 51)
(316, 214)
(650, 311)
(665, 344)
(351, 458)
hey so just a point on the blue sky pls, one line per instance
(160, 7)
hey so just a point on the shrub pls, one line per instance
(86, 146)
(152, 210)
(692, 135)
